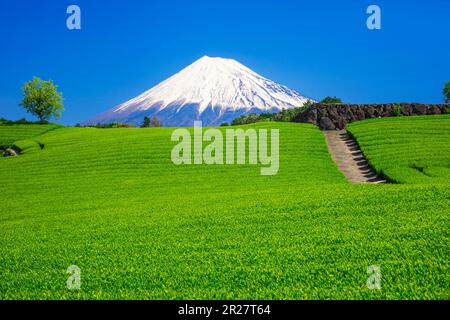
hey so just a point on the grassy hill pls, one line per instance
(12, 133)
(111, 202)
(407, 150)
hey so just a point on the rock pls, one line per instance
(419, 109)
(377, 112)
(333, 113)
(336, 116)
(406, 110)
(359, 114)
(340, 124)
(369, 111)
(312, 115)
(434, 109)
(388, 110)
(326, 124)
(10, 152)
(322, 111)
(346, 113)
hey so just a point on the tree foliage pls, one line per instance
(285, 115)
(155, 122)
(331, 100)
(42, 99)
(146, 123)
(151, 122)
(446, 92)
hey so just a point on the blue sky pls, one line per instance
(318, 48)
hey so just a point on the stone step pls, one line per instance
(350, 159)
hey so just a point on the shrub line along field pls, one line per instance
(139, 227)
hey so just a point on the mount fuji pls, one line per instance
(212, 90)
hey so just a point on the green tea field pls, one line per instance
(407, 150)
(111, 202)
(13, 133)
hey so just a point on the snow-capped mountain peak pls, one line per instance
(213, 90)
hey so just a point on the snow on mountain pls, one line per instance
(213, 90)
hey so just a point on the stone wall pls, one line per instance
(336, 116)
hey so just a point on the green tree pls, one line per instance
(446, 92)
(42, 99)
(331, 100)
(397, 110)
(155, 122)
(146, 123)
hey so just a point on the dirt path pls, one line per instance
(349, 158)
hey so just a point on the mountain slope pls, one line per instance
(213, 90)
